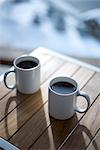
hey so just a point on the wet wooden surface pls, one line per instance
(24, 119)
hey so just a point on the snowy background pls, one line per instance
(57, 25)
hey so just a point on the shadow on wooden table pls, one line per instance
(58, 131)
(30, 114)
(38, 120)
(11, 106)
(61, 130)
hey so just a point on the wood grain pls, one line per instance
(60, 129)
(92, 89)
(51, 67)
(34, 101)
(25, 120)
(95, 143)
(32, 106)
(44, 99)
(83, 76)
(15, 98)
(43, 57)
(86, 129)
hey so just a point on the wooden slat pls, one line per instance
(33, 102)
(68, 69)
(13, 99)
(10, 101)
(27, 109)
(28, 117)
(19, 133)
(3, 90)
(82, 76)
(43, 57)
(60, 129)
(86, 129)
(50, 68)
(92, 89)
(95, 144)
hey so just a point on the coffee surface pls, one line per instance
(27, 64)
(63, 87)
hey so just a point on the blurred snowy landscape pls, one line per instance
(33, 23)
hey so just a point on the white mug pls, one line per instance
(63, 106)
(27, 79)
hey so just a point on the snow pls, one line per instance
(18, 30)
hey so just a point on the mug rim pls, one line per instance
(26, 56)
(63, 77)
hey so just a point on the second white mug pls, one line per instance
(62, 97)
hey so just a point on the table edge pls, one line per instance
(67, 58)
(70, 59)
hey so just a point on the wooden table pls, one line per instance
(24, 119)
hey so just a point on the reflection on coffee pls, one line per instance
(27, 64)
(63, 87)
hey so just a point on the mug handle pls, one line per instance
(87, 98)
(5, 77)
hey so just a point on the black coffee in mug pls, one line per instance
(63, 87)
(27, 64)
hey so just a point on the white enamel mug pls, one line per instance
(63, 106)
(27, 80)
